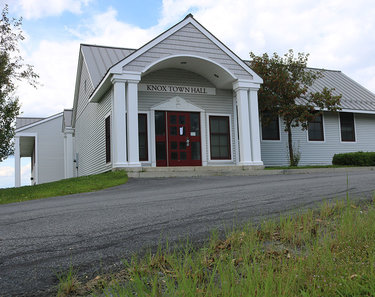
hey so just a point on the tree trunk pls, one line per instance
(290, 146)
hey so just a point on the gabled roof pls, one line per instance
(99, 59)
(23, 123)
(355, 97)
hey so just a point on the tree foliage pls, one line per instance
(285, 92)
(12, 69)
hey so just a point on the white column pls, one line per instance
(68, 139)
(243, 123)
(118, 133)
(17, 162)
(235, 122)
(152, 143)
(254, 124)
(132, 116)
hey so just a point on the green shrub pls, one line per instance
(356, 159)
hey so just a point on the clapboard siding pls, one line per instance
(83, 96)
(276, 153)
(90, 137)
(188, 40)
(50, 149)
(221, 103)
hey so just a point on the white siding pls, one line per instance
(85, 90)
(222, 103)
(90, 137)
(276, 153)
(50, 149)
(187, 40)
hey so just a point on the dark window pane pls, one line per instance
(174, 145)
(219, 137)
(194, 124)
(182, 155)
(270, 127)
(142, 137)
(108, 139)
(347, 127)
(174, 155)
(183, 145)
(160, 151)
(159, 123)
(182, 120)
(315, 129)
(173, 119)
(195, 150)
(173, 130)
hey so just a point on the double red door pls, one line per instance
(181, 139)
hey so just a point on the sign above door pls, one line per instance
(176, 89)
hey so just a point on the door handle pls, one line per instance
(187, 141)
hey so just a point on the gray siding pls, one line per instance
(187, 40)
(84, 94)
(90, 137)
(222, 103)
(275, 152)
(50, 149)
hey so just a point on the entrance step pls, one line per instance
(193, 171)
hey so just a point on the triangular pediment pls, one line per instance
(177, 104)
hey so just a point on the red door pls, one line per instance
(183, 140)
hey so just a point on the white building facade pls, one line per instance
(183, 99)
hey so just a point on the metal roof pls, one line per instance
(24, 121)
(99, 59)
(354, 96)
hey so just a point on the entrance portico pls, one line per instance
(179, 145)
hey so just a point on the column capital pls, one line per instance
(245, 85)
(130, 77)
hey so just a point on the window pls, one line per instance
(347, 126)
(315, 129)
(142, 137)
(270, 126)
(108, 139)
(219, 138)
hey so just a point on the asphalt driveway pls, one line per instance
(94, 231)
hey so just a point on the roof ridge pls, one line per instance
(105, 46)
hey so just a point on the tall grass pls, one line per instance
(329, 252)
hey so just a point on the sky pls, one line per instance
(338, 34)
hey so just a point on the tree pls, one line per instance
(12, 69)
(285, 92)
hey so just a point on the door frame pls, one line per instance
(178, 104)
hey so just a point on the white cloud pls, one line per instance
(34, 9)
(6, 171)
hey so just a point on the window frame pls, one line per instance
(323, 132)
(108, 140)
(146, 115)
(354, 129)
(278, 130)
(229, 118)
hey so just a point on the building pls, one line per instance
(183, 99)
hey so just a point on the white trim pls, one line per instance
(176, 103)
(36, 168)
(152, 138)
(40, 122)
(270, 140)
(190, 56)
(235, 123)
(355, 129)
(209, 138)
(324, 133)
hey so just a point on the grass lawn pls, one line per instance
(305, 167)
(326, 252)
(63, 187)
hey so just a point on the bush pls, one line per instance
(356, 159)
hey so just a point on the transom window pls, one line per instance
(270, 126)
(219, 138)
(347, 126)
(315, 129)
